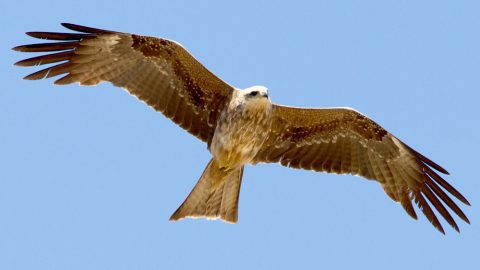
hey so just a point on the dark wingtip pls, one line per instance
(426, 160)
(430, 163)
(84, 29)
(17, 48)
(69, 25)
(58, 36)
(33, 77)
(31, 34)
(29, 78)
(20, 63)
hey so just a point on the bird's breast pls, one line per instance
(239, 134)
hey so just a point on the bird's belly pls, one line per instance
(234, 145)
(234, 152)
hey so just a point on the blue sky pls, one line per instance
(89, 175)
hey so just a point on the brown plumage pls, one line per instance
(243, 126)
(171, 81)
(344, 141)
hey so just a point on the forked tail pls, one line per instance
(214, 196)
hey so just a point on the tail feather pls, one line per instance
(214, 196)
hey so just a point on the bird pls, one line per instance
(242, 126)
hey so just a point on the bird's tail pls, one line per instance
(214, 196)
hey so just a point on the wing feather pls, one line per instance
(427, 211)
(46, 59)
(444, 197)
(343, 141)
(47, 47)
(440, 208)
(158, 71)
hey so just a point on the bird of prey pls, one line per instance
(242, 126)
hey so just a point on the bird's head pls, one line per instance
(252, 97)
(255, 92)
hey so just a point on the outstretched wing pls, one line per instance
(158, 71)
(344, 141)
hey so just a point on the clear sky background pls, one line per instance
(89, 176)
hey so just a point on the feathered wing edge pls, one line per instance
(157, 71)
(293, 143)
(63, 50)
(430, 193)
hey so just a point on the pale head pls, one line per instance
(252, 96)
(255, 92)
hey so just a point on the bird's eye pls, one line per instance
(253, 93)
